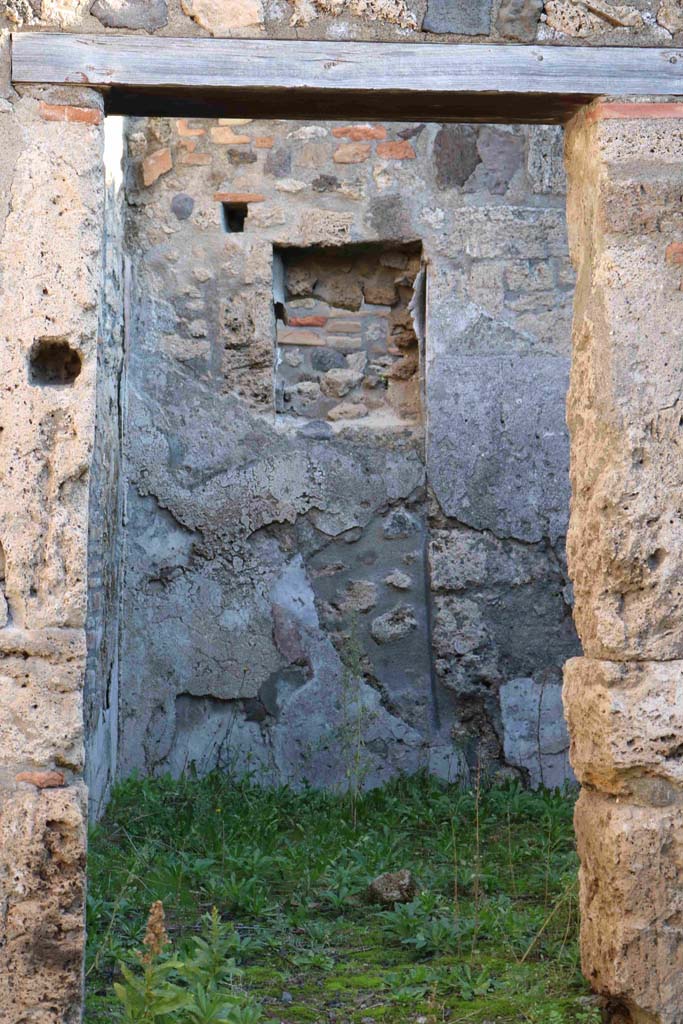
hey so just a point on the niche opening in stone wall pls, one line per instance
(234, 217)
(349, 324)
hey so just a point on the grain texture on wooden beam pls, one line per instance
(307, 79)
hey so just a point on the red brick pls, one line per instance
(225, 136)
(359, 132)
(634, 111)
(306, 321)
(308, 338)
(674, 253)
(73, 115)
(157, 163)
(352, 153)
(396, 150)
(264, 142)
(239, 197)
(184, 129)
(195, 159)
(339, 326)
(43, 780)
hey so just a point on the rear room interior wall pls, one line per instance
(258, 550)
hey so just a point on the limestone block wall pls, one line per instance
(51, 216)
(274, 560)
(623, 700)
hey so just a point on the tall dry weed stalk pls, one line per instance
(156, 937)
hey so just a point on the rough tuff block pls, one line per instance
(632, 904)
(42, 702)
(625, 542)
(42, 877)
(626, 725)
(225, 17)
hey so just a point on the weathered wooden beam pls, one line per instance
(307, 79)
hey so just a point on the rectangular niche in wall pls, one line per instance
(347, 344)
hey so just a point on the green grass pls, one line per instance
(491, 936)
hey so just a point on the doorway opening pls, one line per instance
(344, 485)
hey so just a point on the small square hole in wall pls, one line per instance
(349, 325)
(234, 216)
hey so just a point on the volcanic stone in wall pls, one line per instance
(519, 19)
(132, 14)
(466, 18)
(42, 835)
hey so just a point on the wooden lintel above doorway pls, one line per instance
(316, 80)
